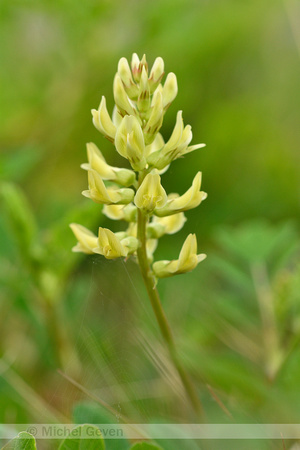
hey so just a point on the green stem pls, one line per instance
(162, 320)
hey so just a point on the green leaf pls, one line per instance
(145, 446)
(90, 412)
(24, 441)
(79, 439)
(258, 241)
(20, 216)
(233, 273)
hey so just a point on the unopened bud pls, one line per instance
(130, 142)
(156, 74)
(143, 102)
(155, 230)
(135, 62)
(103, 122)
(121, 99)
(170, 90)
(126, 76)
(137, 67)
(130, 243)
(130, 213)
(156, 118)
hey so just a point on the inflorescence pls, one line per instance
(141, 101)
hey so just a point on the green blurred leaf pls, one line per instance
(20, 217)
(78, 439)
(251, 244)
(24, 441)
(16, 165)
(234, 273)
(91, 412)
(258, 241)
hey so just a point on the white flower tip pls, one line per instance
(201, 257)
(85, 166)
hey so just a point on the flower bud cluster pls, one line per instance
(141, 100)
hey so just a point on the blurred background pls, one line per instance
(237, 316)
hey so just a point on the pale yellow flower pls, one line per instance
(103, 122)
(191, 199)
(143, 101)
(97, 162)
(137, 66)
(170, 90)
(150, 194)
(187, 261)
(110, 245)
(116, 117)
(124, 72)
(114, 212)
(120, 212)
(156, 145)
(172, 224)
(122, 100)
(99, 193)
(130, 143)
(87, 241)
(175, 147)
(151, 246)
(156, 73)
(156, 116)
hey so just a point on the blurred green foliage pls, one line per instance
(237, 316)
(24, 441)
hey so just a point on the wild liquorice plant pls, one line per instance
(137, 196)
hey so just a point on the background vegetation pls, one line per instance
(237, 316)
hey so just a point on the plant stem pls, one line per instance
(162, 320)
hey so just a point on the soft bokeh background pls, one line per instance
(236, 318)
